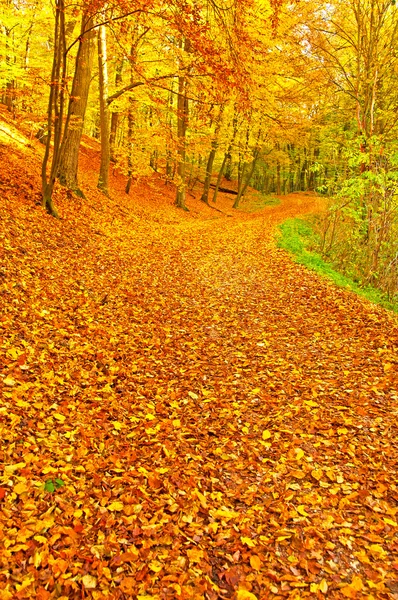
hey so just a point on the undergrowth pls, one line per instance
(298, 237)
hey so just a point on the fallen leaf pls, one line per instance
(255, 562)
(20, 488)
(323, 586)
(89, 582)
(301, 510)
(59, 417)
(245, 595)
(248, 541)
(115, 506)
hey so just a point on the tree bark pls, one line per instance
(115, 114)
(210, 160)
(219, 178)
(103, 180)
(182, 124)
(55, 110)
(68, 168)
(243, 188)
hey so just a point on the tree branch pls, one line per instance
(123, 90)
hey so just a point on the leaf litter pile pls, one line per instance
(186, 413)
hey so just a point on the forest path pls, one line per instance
(222, 419)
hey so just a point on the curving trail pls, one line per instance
(224, 422)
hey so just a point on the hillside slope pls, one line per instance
(186, 413)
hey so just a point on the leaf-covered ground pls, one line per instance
(186, 413)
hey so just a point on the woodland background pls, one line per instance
(286, 96)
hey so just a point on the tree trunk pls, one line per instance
(209, 170)
(219, 178)
(243, 188)
(278, 178)
(103, 181)
(115, 115)
(55, 110)
(210, 160)
(68, 168)
(182, 124)
(130, 127)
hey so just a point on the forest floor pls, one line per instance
(186, 412)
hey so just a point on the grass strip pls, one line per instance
(298, 237)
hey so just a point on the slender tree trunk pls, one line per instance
(278, 178)
(68, 168)
(227, 160)
(55, 111)
(182, 124)
(243, 188)
(219, 178)
(9, 96)
(103, 181)
(130, 128)
(209, 170)
(210, 160)
(169, 161)
(130, 121)
(115, 115)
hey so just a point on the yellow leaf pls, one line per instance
(266, 434)
(299, 453)
(362, 556)
(22, 403)
(390, 522)
(224, 513)
(202, 499)
(13, 468)
(323, 586)
(317, 474)
(311, 403)
(116, 506)
(41, 539)
(301, 510)
(348, 592)
(245, 595)
(9, 381)
(18, 547)
(60, 418)
(155, 566)
(150, 417)
(89, 582)
(255, 562)
(118, 426)
(37, 558)
(20, 488)
(193, 395)
(377, 551)
(248, 541)
(298, 474)
(14, 353)
(176, 423)
(356, 583)
(195, 555)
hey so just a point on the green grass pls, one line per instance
(255, 202)
(298, 237)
